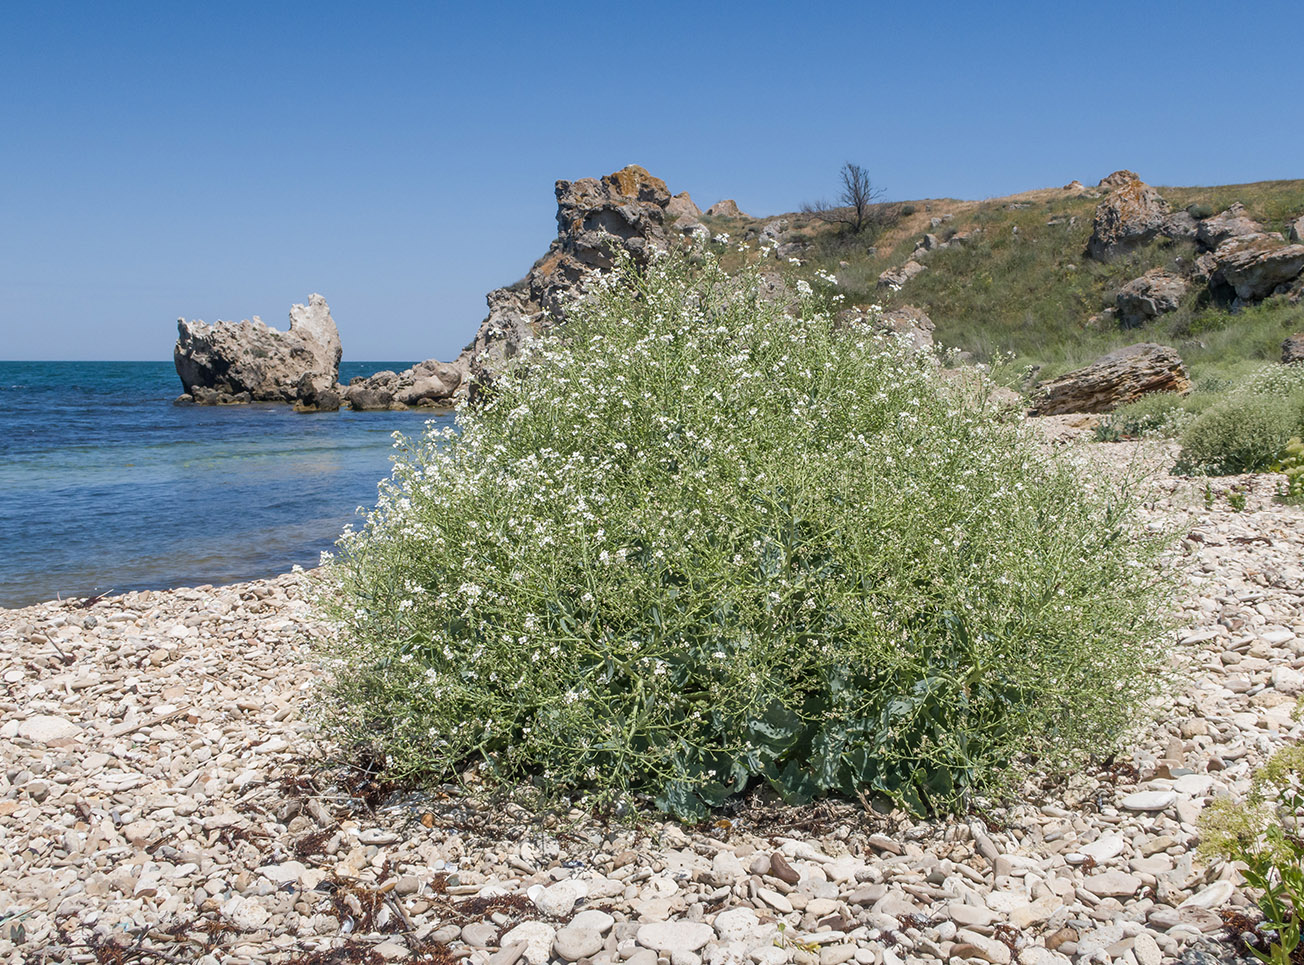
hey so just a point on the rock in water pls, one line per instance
(1121, 376)
(218, 362)
(1130, 215)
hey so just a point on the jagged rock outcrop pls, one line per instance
(1120, 377)
(1292, 350)
(895, 278)
(681, 206)
(1130, 215)
(725, 209)
(597, 220)
(1255, 266)
(1154, 293)
(249, 361)
(1297, 230)
(1232, 223)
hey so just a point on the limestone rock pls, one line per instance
(1254, 265)
(1118, 179)
(681, 206)
(230, 358)
(1296, 233)
(1292, 350)
(1130, 215)
(1232, 223)
(897, 277)
(725, 209)
(1154, 293)
(46, 729)
(1121, 376)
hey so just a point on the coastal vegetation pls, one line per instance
(702, 539)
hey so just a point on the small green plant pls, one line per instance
(1236, 500)
(1264, 833)
(907, 210)
(1208, 496)
(1291, 466)
(1199, 211)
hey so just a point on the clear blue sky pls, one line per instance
(221, 160)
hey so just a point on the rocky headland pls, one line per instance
(166, 797)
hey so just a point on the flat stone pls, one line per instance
(480, 934)
(572, 943)
(1146, 950)
(536, 936)
(1149, 800)
(675, 936)
(988, 949)
(1215, 896)
(1113, 884)
(46, 729)
(509, 954)
(593, 918)
(1104, 848)
(736, 924)
(775, 900)
(557, 900)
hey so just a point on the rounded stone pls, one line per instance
(572, 943)
(675, 936)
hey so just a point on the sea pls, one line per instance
(106, 486)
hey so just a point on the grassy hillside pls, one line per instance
(1025, 287)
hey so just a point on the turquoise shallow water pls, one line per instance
(105, 485)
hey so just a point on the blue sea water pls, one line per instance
(107, 486)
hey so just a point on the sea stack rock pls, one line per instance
(250, 361)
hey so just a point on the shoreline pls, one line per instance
(165, 788)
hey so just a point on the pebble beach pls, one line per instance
(165, 797)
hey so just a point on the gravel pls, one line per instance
(165, 790)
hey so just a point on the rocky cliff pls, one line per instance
(597, 218)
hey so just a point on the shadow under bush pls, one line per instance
(695, 541)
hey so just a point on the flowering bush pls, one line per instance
(697, 538)
(1248, 430)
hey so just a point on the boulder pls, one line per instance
(1297, 230)
(1180, 226)
(220, 363)
(725, 209)
(773, 231)
(1154, 293)
(1130, 215)
(1253, 266)
(895, 278)
(1115, 379)
(681, 206)
(1232, 223)
(1292, 350)
(312, 397)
